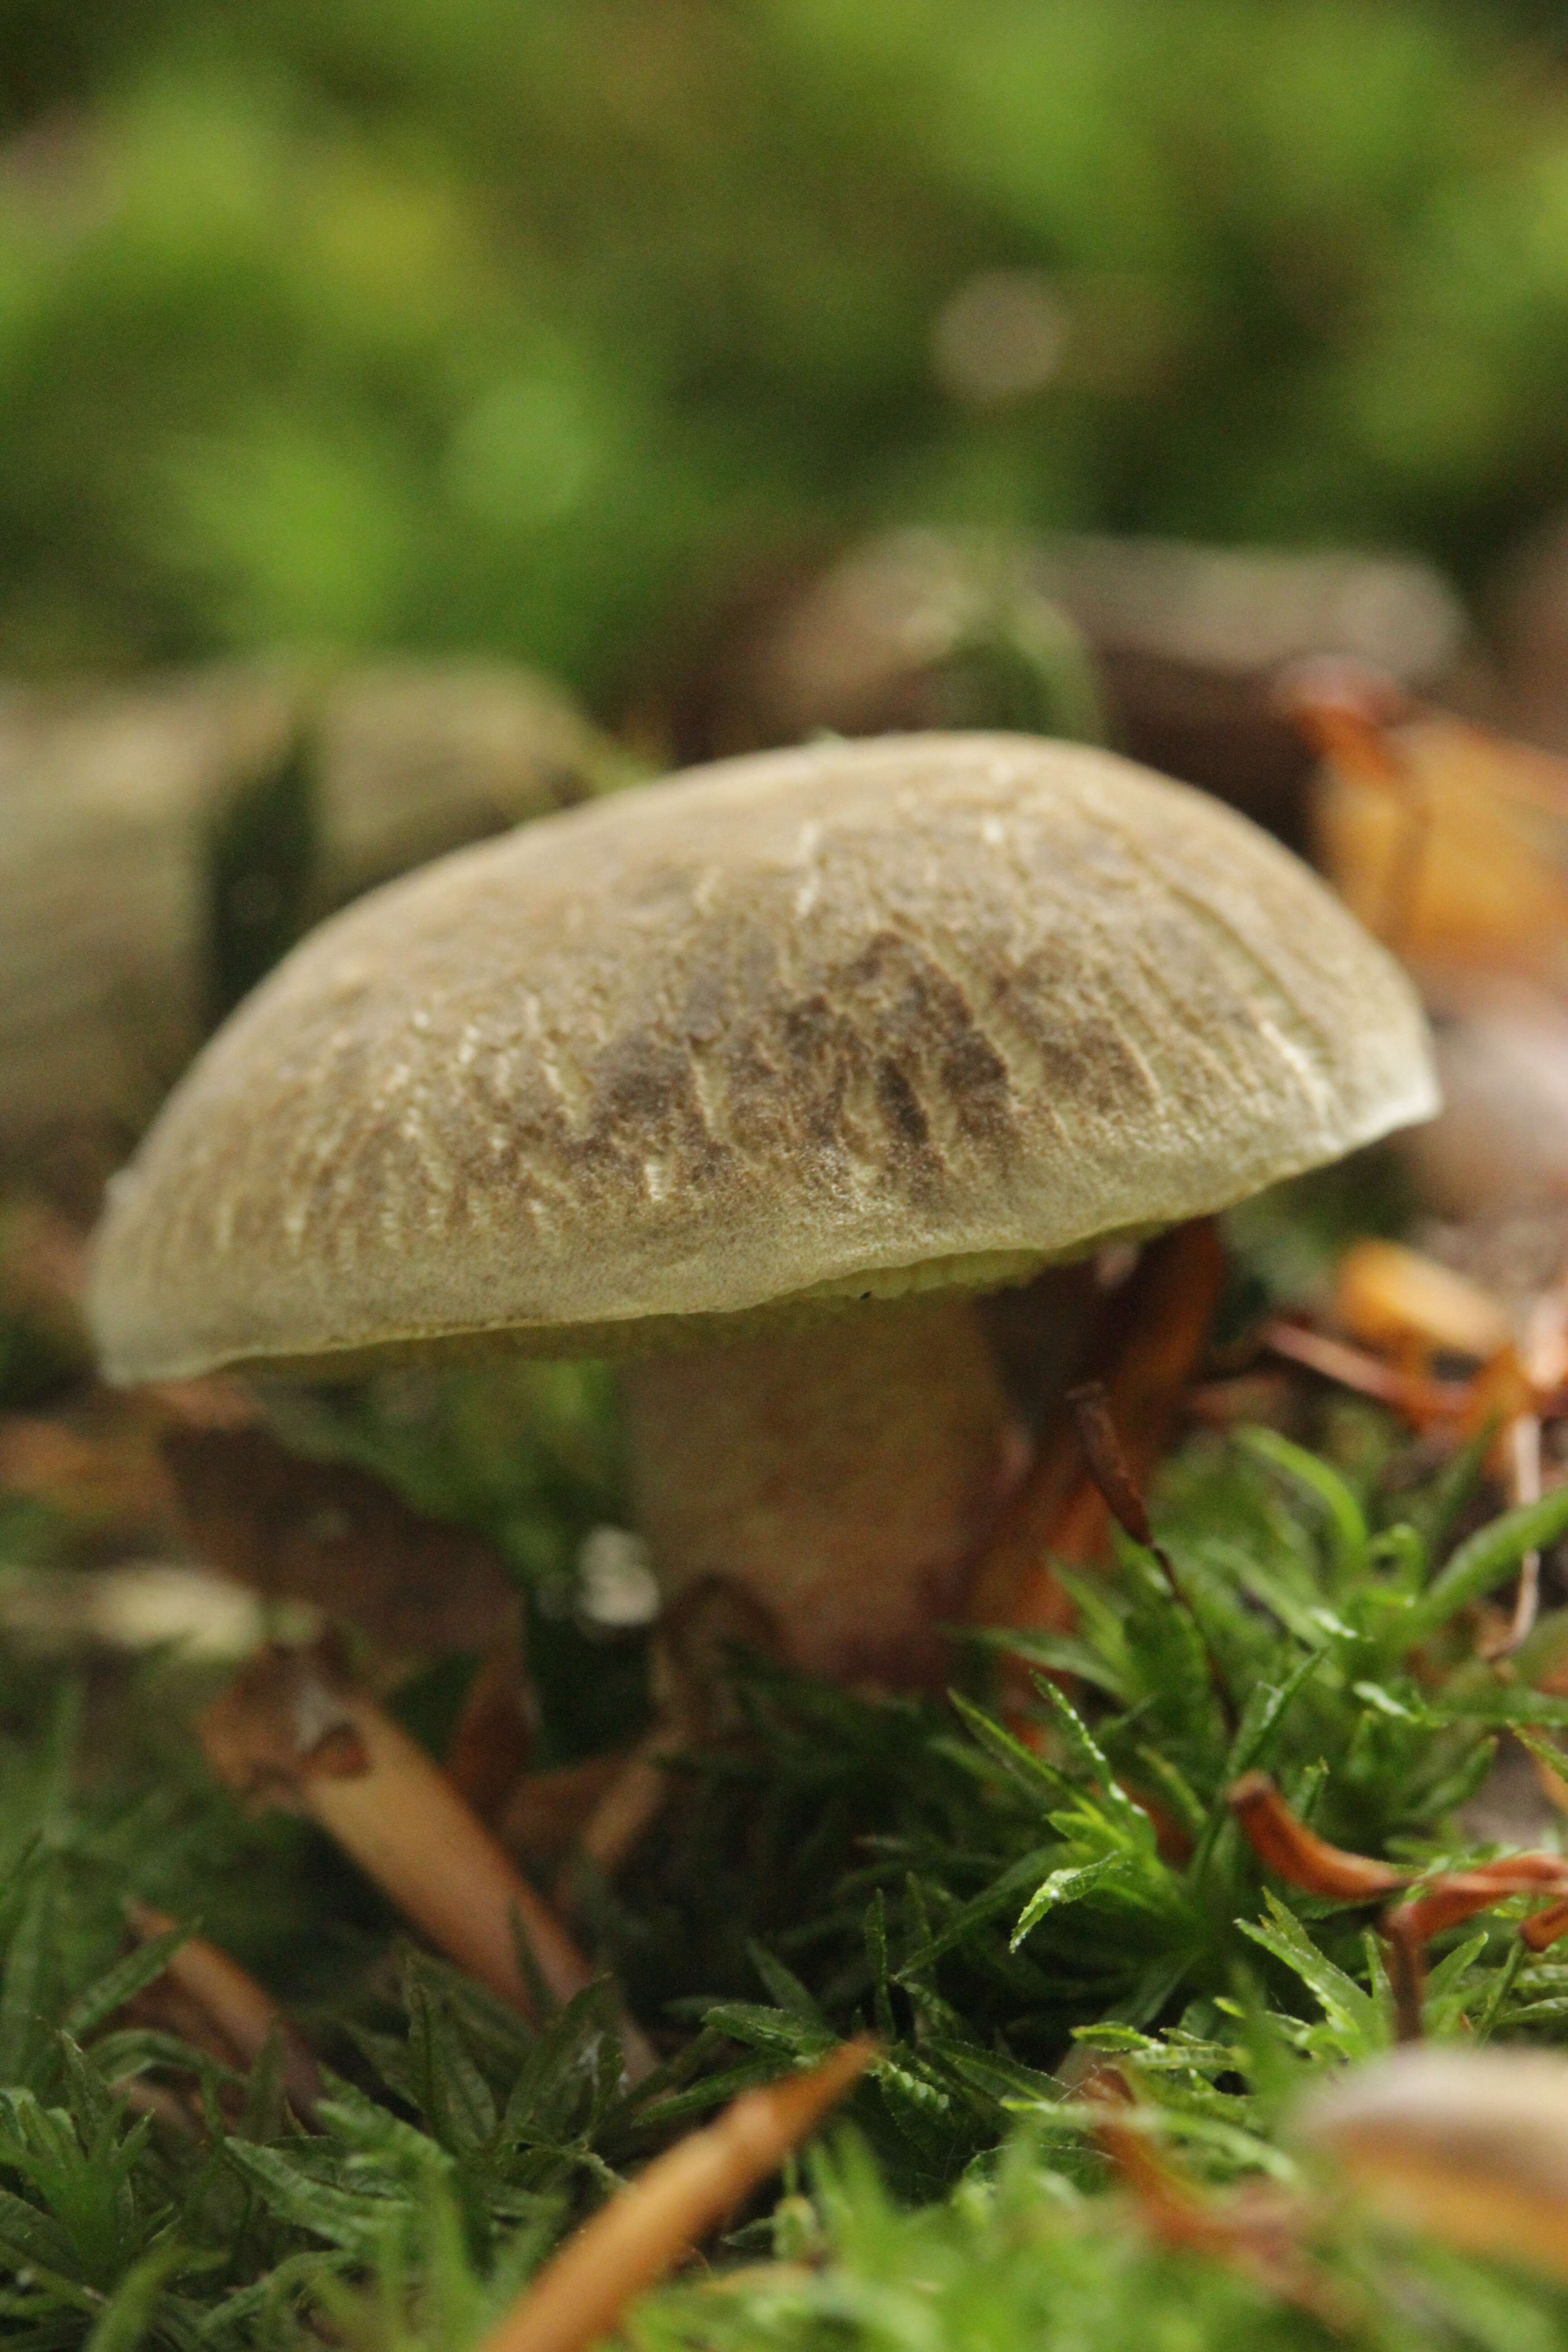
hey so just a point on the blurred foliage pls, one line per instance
(491, 322)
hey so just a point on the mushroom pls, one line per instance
(757, 1078)
(1464, 2145)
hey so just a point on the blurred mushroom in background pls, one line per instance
(1464, 2145)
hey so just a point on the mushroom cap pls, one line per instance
(823, 1023)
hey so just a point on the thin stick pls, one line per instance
(653, 2225)
(1524, 1482)
(290, 1725)
(1153, 1334)
(406, 1825)
(1421, 1399)
(245, 2016)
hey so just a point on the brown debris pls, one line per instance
(1447, 839)
(651, 2227)
(597, 1811)
(1424, 1403)
(1452, 843)
(692, 1652)
(491, 1749)
(1417, 1309)
(1296, 1855)
(323, 1532)
(1390, 1296)
(94, 1467)
(546, 1813)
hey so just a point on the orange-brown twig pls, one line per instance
(1424, 1403)
(1255, 2230)
(1447, 1901)
(1298, 1855)
(292, 1729)
(1542, 1928)
(684, 2194)
(245, 2016)
(1153, 1336)
(1303, 1859)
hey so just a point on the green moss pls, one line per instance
(986, 1908)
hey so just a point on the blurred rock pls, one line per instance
(1500, 1146)
(1191, 639)
(1168, 650)
(1527, 613)
(417, 758)
(161, 843)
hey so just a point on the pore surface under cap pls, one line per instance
(793, 1022)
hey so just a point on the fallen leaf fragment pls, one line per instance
(493, 1742)
(99, 1468)
(1444, 1899)
(1391, 1296)
(1466, 2145)
(1255, 2230)
(692, 1656)
(323, 1532)
(1448, 840)
(546, 1815)
(648, 2228)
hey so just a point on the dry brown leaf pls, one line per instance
(1391, 1296)
(547, 1812)
(96, 1464)
(490, 1750)
(301, 1530)
(1453, 843)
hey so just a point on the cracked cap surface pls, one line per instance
(859, 1017)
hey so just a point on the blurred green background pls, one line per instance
(524, 324)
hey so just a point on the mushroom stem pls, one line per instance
(845, 1475)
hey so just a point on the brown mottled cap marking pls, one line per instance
(861, 1015)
